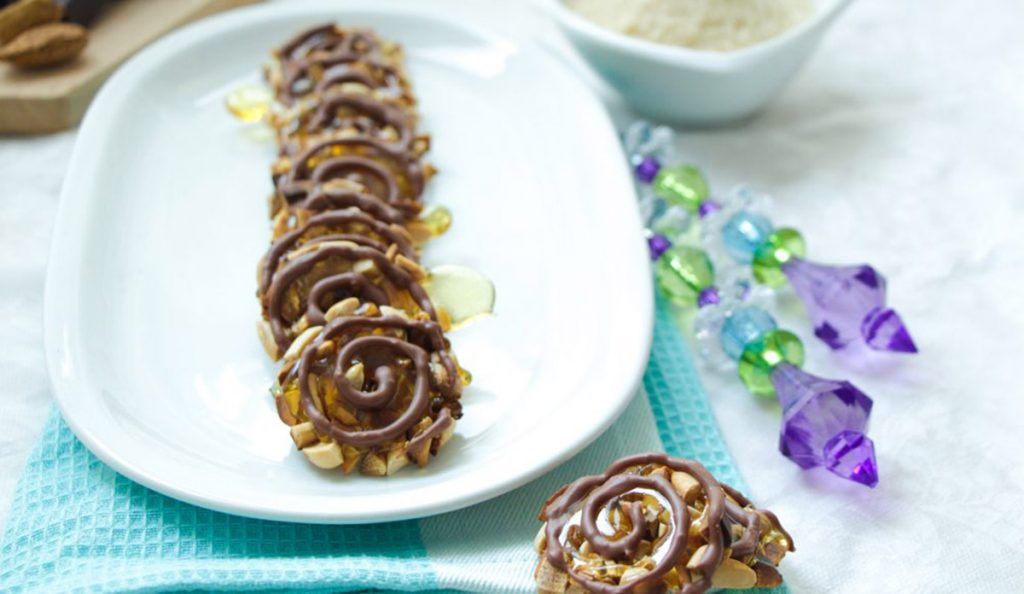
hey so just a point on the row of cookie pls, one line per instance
(368, 380)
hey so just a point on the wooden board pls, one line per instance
(36, 101)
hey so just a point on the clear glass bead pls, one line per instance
(672, 222)
(644, 139)
(650, 207)
(707, 325)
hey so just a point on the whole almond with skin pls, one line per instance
(46, 45)
(23, 15)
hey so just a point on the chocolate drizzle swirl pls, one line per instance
(395, 176)
(337, 225)
(325, 197)
(358, 114)
(380, 355)
(330, 39)
(323, 56)
(590, 502)
(594, 493)
(303, 263)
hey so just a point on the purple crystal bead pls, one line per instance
(707, 207)
(708, 296)
(647, 169)
(847, 303)
(824, 424)
(658, 244)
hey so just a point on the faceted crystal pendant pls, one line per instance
(824, 424)
(847, 303)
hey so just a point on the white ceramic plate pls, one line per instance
(150, 306)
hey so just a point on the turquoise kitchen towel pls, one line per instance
(75, 525)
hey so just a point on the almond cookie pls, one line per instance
(653, 523)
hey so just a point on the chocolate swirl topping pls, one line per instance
(395, 176)
(380, 355)
(320, 285)
(360, 114)
(328, 38)
(338, 225)
(629, 488)
(308, 59)
(299, 78)
(325, 197)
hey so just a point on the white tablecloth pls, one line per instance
(901, 144)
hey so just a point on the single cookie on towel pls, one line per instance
(652, 523)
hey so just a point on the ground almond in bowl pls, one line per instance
(719, 25)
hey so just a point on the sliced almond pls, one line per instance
(767, 576)
(345, 307)
(284, 412)
(632, 574)
(325, 348)
(356, 376)
(301, 342)
(374, 464)
(697, 557)
(387, 310)
(549, 579)
(362, 266)
(267, 339)
(439, 373)
(352, 456)
(734, 574)
(303, 434)
(324, 455)
(397, 459)
(411, 267)
(687, 486)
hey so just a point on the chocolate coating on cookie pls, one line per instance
(380, 353)
(634, 516)
(295, 268)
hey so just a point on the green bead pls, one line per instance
(762, 355)
(781, 246)
(682, 185)
(683, 272)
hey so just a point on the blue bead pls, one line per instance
(743, 233)
(744, 326)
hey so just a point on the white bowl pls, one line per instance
(689, 86)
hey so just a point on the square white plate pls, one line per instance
(150, 306)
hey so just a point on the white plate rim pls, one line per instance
(62, 286)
